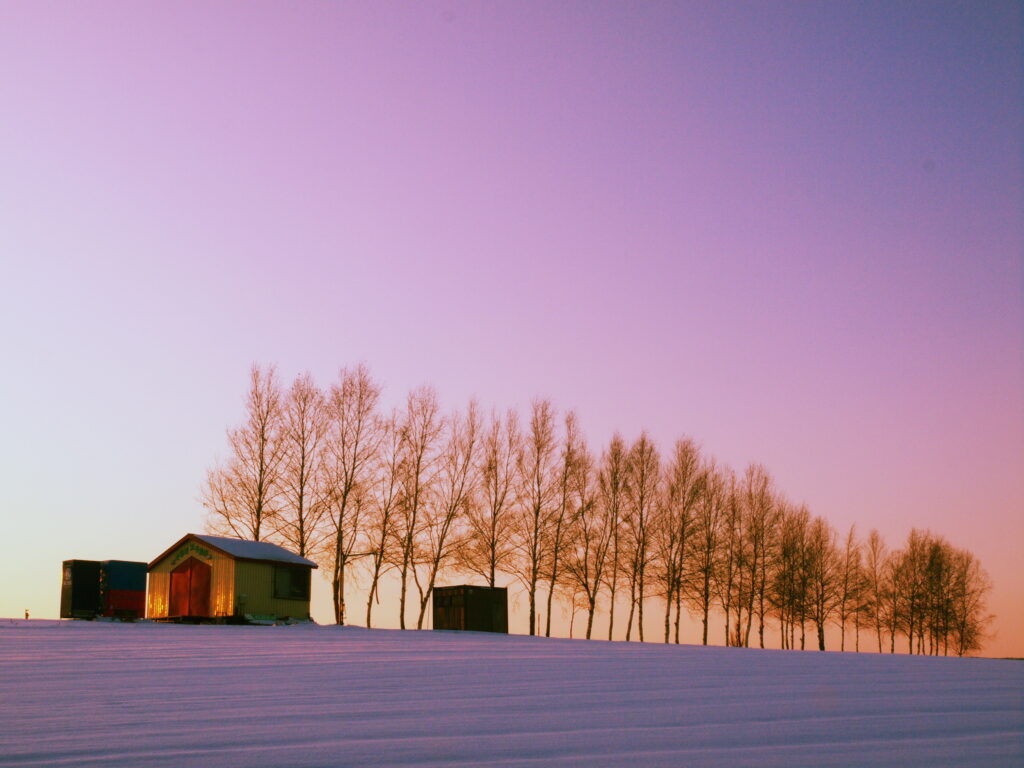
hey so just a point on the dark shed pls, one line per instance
(123, 589)
(114, 588)
(466, 607)
(80, 589)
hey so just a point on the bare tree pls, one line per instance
(590, 535)
(421, 428)
(380, 530)
(930, 592)
(757, 501)
(562, 510)
(351, 446)
(790, 592)
(612, 494)
(664, 562)
(849, 586)
(243, 495)
(940, 594)
(643, 487)
(970, 619)
(303, 499)
(938, 577)
(892, 608)
(875, 574)
(862, 606)
(823, 568)
(455, 491)
(782, 578)
(577, 602)
(729, 556)
(329, 478)
(537, 494)
(710, 509)
(486, 549)
(676, 527)
(909, 585)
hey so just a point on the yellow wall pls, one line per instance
(256, 582)
(222, 597)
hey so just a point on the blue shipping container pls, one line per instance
(124, 575)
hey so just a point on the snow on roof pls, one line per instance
(253, 550)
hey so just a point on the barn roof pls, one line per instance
(239, 549)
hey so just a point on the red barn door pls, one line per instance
(190, 589)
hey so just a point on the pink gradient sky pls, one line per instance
(792, 232)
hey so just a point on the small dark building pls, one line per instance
(80, 589)
(476, 609)
(113, 588)
(123, 589)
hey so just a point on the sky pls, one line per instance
(791, 231)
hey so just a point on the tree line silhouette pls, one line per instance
(425, 495)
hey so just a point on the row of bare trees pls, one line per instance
(425, 495)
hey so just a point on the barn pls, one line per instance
(216, 577)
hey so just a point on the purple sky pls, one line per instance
(792, 232)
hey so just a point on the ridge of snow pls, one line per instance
(146, 694)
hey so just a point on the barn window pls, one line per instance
(291, 583)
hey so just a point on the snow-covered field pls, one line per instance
(77, 693)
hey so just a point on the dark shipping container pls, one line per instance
(124, 575)
(113, 588)
(475, 609)
(80, 589)
(124, 604)
(123, 589)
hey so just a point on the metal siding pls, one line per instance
(222, 586)
(222, 595)
(256, 582)
(157, 595)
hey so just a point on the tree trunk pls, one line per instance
(336, 586)
(679, 608)
(401, 599)
(707, 605)
(632, 608)
(640, 600)
(533, 609)
(611, 612)
(668, 617)
(369, 603)
(341, 592)
(551, 598)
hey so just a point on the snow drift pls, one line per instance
(167, 695)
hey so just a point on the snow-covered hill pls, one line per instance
(164, 695)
